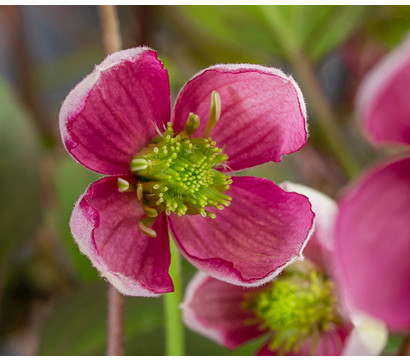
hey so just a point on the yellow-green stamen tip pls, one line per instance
(296, 308)
(177, 174)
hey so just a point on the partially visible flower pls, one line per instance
(373, 231)
(172, 172)
(300, 310)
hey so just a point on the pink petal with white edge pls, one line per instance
(383, 98)
(263, 113)
(104, 223)
(115, 110)
(320, 246)
(214, 309)
(331, 343)
(251, 241)
(373, 243)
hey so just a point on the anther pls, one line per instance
(214, 113)
(192, 124)
(123, 185)
(138, 164)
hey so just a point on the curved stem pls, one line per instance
(115, 332)
(326, 118)
(116, 301)
(174, 328)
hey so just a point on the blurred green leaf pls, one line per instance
(315, 30)
(77, 326)
(20, 191)
(71, 181)
(389, 23)
(393, 345)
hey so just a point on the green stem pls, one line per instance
(326, 118)
(174, 328)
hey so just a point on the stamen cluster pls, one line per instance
(296, 308)
(176, 174)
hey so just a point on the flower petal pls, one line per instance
(373, 243)
(383, 98)
(214, 309)
(263, 112)
(104, 223)
(368, 337)
(115, 110)
(262, 231)
(330, 343)
(320, 246)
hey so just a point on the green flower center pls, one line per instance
(177, 174)
(297, 307)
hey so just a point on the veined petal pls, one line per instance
(330, 343)
(104, 223)
(262, 231)
(373, 243)
(115, 110)
(383, 98)
(215, 310)
(263, 113)
(320, 246)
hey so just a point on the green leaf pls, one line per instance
(314, 30)
(20, 190)
(389, 24)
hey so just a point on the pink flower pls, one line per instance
(300, 310)
(164, 171)
(373, 232)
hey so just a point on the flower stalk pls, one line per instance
(116, 302)
(174, 328)
(115, 332)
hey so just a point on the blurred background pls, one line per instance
(52, 301)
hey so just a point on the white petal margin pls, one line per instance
(75, 100)
(375, 80)
(82, 229)
(368, 337)
(188, 315)
(324, 208)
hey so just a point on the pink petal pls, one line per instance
(263, 230)
(383, 98)
(214, 309)
(320, 246)
(115, 110)
(373, 243)
(104, 223)
(330, 343)
(263, 112)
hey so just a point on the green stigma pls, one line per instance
(177, 173)
(297, 307)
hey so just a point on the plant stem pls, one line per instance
(326, 118)
(110, 28)
(115, 332)
(116, 301)
(174, 328)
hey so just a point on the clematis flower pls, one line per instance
(373, 232)
(300, 310)
(171, 172)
